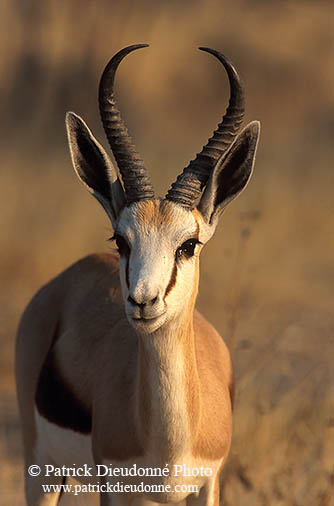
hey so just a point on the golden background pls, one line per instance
(266, 277)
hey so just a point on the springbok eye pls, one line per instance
(187, 249)
(122, 245)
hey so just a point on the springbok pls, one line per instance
(114, 365)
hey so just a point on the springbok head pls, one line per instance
(159, 240)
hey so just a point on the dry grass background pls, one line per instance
(267, 276)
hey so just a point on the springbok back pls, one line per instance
(115, 368)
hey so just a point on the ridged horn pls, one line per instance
(189, 185)
(137, 184)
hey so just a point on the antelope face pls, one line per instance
(159, 244)
(159, 240)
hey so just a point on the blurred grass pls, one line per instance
(273, 296)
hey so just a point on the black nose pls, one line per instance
(144, 303)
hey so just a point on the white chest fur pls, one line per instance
(73, 450)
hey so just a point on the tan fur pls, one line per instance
(100, 342)
(109, 368)
(215, 373)
(153, 213)
(113, 363)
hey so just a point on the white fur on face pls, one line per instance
(152, 275)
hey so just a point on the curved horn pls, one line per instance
(137, 184)
(188, 186)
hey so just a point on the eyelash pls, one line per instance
(187, 249)
(122, 245)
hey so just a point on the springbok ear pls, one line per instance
(231, 174)
(93, 166)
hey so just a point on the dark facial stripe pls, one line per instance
(127, 273)
(56, 402)
(172, 280)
